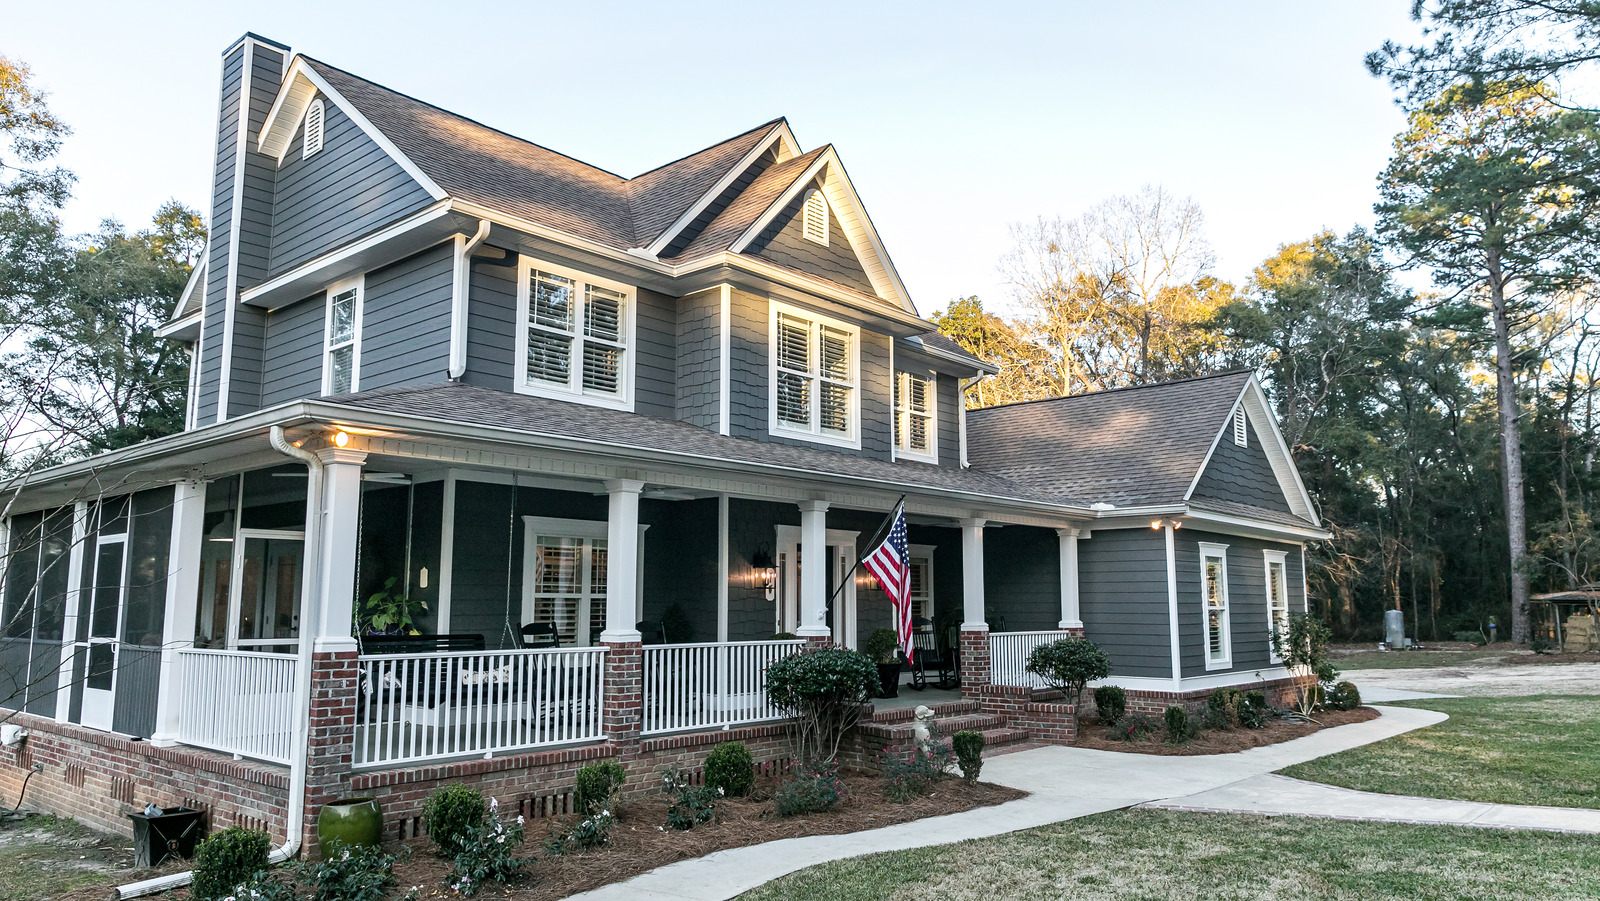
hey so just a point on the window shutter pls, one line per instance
(314, 121)
(815, 218)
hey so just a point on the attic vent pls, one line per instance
(313, 128)
(1239, 434)
(815, 216)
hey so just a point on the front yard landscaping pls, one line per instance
(1351, 657)
(1098, 736)
(1151, 854)
(1518, 750)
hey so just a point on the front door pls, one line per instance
(264, 607)
(107, 594)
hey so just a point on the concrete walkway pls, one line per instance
(1064, 783)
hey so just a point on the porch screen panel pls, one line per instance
(216, 563)
(21, 591)
(55, 577)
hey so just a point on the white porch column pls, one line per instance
(622, 561)
(1070, 617)
(183, 597)
(814, 570)
(972, 615)
(341, 523)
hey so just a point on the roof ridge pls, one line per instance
(1117, 390)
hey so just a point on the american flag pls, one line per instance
(890, 562)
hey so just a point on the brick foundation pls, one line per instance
(974, 662)
(1279, 692)
(331, 739)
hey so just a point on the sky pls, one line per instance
(954, 121)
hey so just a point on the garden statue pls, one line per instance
(922, 727)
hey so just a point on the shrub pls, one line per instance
(730, 768)
(912, 771)
(597, 785)
(1343, 696)
(450, 811)
(1111, 702)
(1179, 728)
(822, 691)
(1470, 637)
(1133, 727)
(1254, 712)
(488, 853)
(968, 745)
(360, 873)
(227, 860)
(1069, 664)
(1224, 703)
(1304, 646)
(263, 886)
(692, 804)
(816, 787)
(592, 831)
(881, 645)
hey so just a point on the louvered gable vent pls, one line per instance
(815, 218)
(314, 121)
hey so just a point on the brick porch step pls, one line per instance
(940, 710)
(944, 727)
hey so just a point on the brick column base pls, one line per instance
(330, 748)
(974, 662)
(818, 642)
(622, 708)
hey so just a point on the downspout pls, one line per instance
(961, 421)
(302, 716)
(458, 298)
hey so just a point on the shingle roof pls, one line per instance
(745, 209)
(938, 341)
(473, 162)
(1129, 446)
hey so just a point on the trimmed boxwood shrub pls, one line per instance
(227, 860)
(968, 745)
(1069, 664)
(823, 692)
(1179, 729)
(1112, 703)
(1344, 696)
(451, 811)
(597, 784)
(730, 768)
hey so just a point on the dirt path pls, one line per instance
(1486, 679)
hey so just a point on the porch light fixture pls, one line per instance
(1156, 524)
(341, 438)
(766, 572)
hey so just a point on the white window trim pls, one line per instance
(574, 391)
(931, 455)
(306, 150)
(807, 211)
(925, 551)
(588, 530)
(1280, 558)
(1240, 433)
(357, 283)
(780, 429)
(1217, 551)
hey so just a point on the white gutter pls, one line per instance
(302, 718)
(458, 298)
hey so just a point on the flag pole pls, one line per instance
(871, 543)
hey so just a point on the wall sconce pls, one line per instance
(1156, 524)
(865, 579)
(766, 572)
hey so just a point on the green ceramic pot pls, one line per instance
(350, 821)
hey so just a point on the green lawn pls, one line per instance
(45, 857)
(1150, 854)
(1526, 750)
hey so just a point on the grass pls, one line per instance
(45, 857)
(1152, 854)
(1522, 750)
(1422, 659)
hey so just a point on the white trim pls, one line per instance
(1196, 683)
(845, 612)
(319, 109)
(574, 391)
(725, 363)
(723, 575)
(815, 434)
(926, 551)
(314, 269)
(1305, 587)
(1253, 400)
(1173, 636)
(69, 618)
(357, 284)
(1280, 558)
(931, 455)
(1212, 551)
(589, 530)
(1071, 596)
(1244, 526)
(780, 134)
(447, 551)
(191, 405)
(231, 285)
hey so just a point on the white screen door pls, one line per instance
(106, 596)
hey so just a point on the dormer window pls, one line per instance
(314, 121)
(1240, 434)
(574, 337)
(914, 422)
(814, 218)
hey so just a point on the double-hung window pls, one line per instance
(341, 353)
(915, 404)
(1214, 592)
(1277, 601)
(574, 338)
(564, 577)
(814, 369)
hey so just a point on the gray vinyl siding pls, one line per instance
(405, 321)
(1022, 578)
(1122, 597)
(292, 368)
(715, 208)
(213, 318)
(1243, 475)
(783, 243)
(491, 324)
(680, 564)
(950, 421)
(349, 189)
(655, 355)
(1247, 599)
(752, 527)
(698, 393)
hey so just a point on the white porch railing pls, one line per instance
(237, 702)
(414, 707)
(1008, 656)
(699, 686)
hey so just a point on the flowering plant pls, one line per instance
(693, 804)
(912, 771)
(592, 832)
(816, 787)
(488, 853)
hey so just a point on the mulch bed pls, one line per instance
(1092, 734)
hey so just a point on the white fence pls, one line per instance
(699, 686)
(415, 707)
(237, 702)
(1008, 656)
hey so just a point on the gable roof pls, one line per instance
(1130, 447)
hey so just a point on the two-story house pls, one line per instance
(618, 443)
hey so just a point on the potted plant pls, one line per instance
(884, 647)
(389, 612)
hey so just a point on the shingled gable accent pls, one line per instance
(777, 136)
(1253, 400)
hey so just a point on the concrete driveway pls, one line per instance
(1480, 679)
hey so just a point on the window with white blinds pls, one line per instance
(914, 408)
(1214, 594)
(814, 366)
(814, 218)
(1277, 600)
(315, 118)
(575, 336)
(341, 357)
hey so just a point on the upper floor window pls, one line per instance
(315, 116)
(813, 377)
(1240, 433)
(1277, 600)
(574, 336)
(1214, 591)
(341, 353)
(914, 423)
(814, 218)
